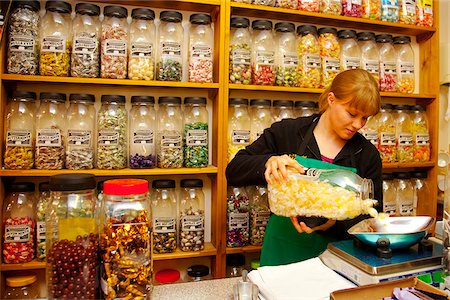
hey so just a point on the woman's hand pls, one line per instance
(277, 167)
(301, 227)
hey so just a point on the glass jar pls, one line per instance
(170, 61)
(389, 195)
(125, 239)
(259, 214)
(304, 108)
(195, 137)
(422, 192)
(403, 125)
(407, 12)
(142, 132)
(424, 13)
(237, 217)
(72, 237)
(50, 131)
(405, 64)
(240, 51)
(20, 131)
(80, 132)
(283, 109)
(201, 49)
(286, 56)
(112, 133)
(114, 42)
(309, 65)
(55, 39)
(264, 2)
(141, 60)
(23, 46)
(263, 53)
(370, 130)
(330, 53)
(235, 265)
(421, 134)
(86, 41)
(42, 203)
(198, 273)
(386, 131)
(352, 8)
(405, 193)
(192, 215)
(388, 63)
(19, 223)
(261, 118)
(389, 10)
(370, 54)
(289, 4)
(164, 208)
(239, 126)
(350, 50)
(331, 7)
(21, 287)
(309, 5)
(170, 133)
(371, 9)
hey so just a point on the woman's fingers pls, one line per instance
(297, 226)
(276, 168)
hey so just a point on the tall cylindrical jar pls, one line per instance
(238, 126)
(201, 49)
(114, 43)
(389, 10)
(164, 208)
(170, 56)
(405, 64)
(240, 51)
(18, 224)
(192, 215)
(55, 39)
(309, 65)
(388, 63)
(41, 208)
(126, 229)
(387, 132)
(282, 109)
(422, 192)
(170, 133)
(421, 134)
(330, 53)
(261, 117)
(50, 132)
(304, 108)
(286, 55)
(371, 9)
(141, 60)
(407, 12)
(389, 194)
(370, 130)
(352, 8)
(403, 125)
(350, 50)
(112, 124)
(86, 41)
(259, 214)
(263, 53)
(20, 131)
(405, 193)
(142, 132)
(23, 43)
(237, 217)
(195, 134)
(370, 54)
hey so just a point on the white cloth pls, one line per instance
(305, 280)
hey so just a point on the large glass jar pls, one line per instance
(389, 194)
(263, 53)
(330, 53)
(50, 131)
(192, 215)
(19, 223)
(424, 13)
(389, 10)
(22, 287)
(309, 65)
(331, 7)
(164, 208)
(350, 50)
(195, 135)
(403, 125)
(259, 214)
(170, 60)
(20, 131)
(371, 9)
(237, 217)
(142, 132)
(386, 130)
(86, 41)
(352, 8)
(421, 134)
(309, 5)
(286, 56)
(370, 130)
(80, 132)
(42, 203)
(125, 240)
(23, 47)
(290, 4)
(407, 12)
(370, 54)
(422, 192)
(405, 64)
(112, 133)
(261, 117)
(238, 126)
(201, 49)
(304, 108)
(405, 193)
(141, 61)
(264, 2)
(55, 39)
(282, 109)
(72, 237)
(388, 63)
(170, 133)
(240, 51)
(114, 42)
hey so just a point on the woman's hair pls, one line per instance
(357, 88)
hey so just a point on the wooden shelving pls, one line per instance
(32, 265)
(209, 250)
(246, 249)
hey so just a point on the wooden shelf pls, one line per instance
(429, 164)
(246, 249)
(209, 250)
(32, 265)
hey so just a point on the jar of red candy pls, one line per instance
(237, 217)
(19, 223)
(263, 53)
(309, 5)
(388, 63)
(424, 12)
(201, 46)
(352, 8)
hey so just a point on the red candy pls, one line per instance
(18, 240)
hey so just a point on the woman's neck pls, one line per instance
(330, 144)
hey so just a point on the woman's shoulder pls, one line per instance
(296, 123)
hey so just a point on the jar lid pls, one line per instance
(260, 102)
(87, 9)
(419, 175)
(387, 106)
(284, 27)
(195, 100)
(239, 22)
(167, 276)
(113, 98)
(200, 19)
(384, 38)
(387, 176)
(123, 187)
(21, 187)
(33, 5)
(401, 107)
(403, 175)
(191, 183)
(255, 264)
(306, 29)
(169, 100)
(198, 271)
(262, 25)
(23, 95)
(143, 14)
(238, 101)
(402, 39)
(305, 104)
(59, 97)
(20, 281)
(347, 34)
(115, 11)
(163, 184)
(237, 259)
(171, 16)
(58, 6)
(418, 108)
(328, 30)
(279, 103)
(44, 186)
(146, 99)
(366, 36)
(82, 97)
(72, 182)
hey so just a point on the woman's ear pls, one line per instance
(331, 98)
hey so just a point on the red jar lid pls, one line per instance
(122, 187)
(167, 276)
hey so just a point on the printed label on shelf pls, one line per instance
(171, 141)
(79, 137)
(48, 138)
(192, 223)
(240, 137)
(241, 56)
(171, 48)
(331, 64)
(389, 67)
(40, 231)
(84, 45)
(387, 138)
(238, 220)
(371, 66)
(372, 136)
(21, 43)
(17, 233)
(422, 139)
(406, 68)
(143, 137)
(164, 224)
(54, 44)
(108, 137)
(139, 50)
(405, 139)
(390, 208)
(201, 52)
(18, 138)
(115, 47)
(197, 138)
(351, 63)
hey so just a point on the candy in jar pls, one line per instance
(42, 203)
(424, 12)
(237, 217)
(330, 53)
(169, 63)
(240, 51)
(370, 55)
(352, 8)
(290, 4)
(259, 214)
(164, 208)
(195, 137)
(309, 5)
(264, 2)
(170, 133)
(263, 53)
(371, 9)
(238, 126)
(386, 130)
(421, 134)
(407, 12)
(404, 134)
(370, 130)
(331, 7)
(350, 50)
(201, 46)
(389, 10)
(309, 64)
(388, 63)
(261, 117)
(405, 64)
(286, 56)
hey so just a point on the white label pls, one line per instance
(422, 139)
(197, 138)
(170, 48)
(389, 67)
(53, 44)
(48, 137)
(312, 61)
(164, 224)
(261, 218)
(406, 209)
(240, 56)
(265, 57)
(143, 137)
(387, 139)
(405, 139)
(141, 50)
(410, 7)
(372, 136)
(390, 208)
(84, 45)
(240, 137)
(114, 47)
(79, 137)
(290, 60)
(21, 43)
(201, 52)
(40, 231)
(238, 220)
(356, 2)
(108, 137)
(371, 66)
(171, 141)
(17, 233)
(18, 138)
(406, 68)
(351, 63)
(192, 223)
(331, 65)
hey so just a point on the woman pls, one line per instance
(331, 136)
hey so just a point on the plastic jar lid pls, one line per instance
(19, 281)
(72, 182)
(167, 276)
(198, 271)
(122, 187)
